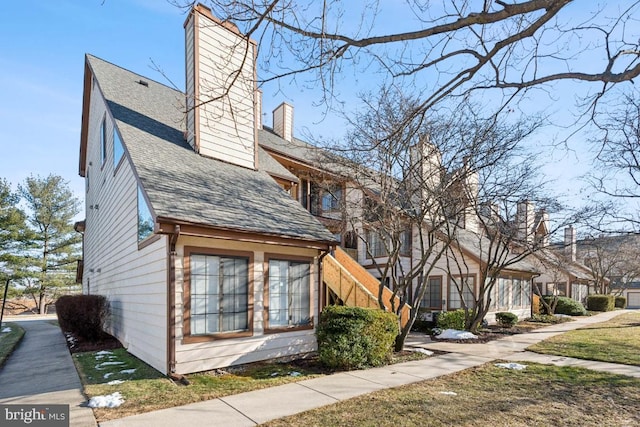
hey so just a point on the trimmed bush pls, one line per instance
(506, 319)
(451, 320)
(567, 306)
(601, 302)
(621, 302)
(355, 337)
(83, 315)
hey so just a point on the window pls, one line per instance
(467, 283)
(433, 294)
(351, 240)
(218, 294)
(405, 243)
(375, 245)
(289, 293)
(103, 139)
(145, 220)
(331, 199)
(503, 292)
(516, 293)
(118, 148)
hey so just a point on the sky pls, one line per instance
(42, 48)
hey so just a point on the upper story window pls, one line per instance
(103, 140)
(118, 148)
(405, 243)
(331, 198)
(145, 220)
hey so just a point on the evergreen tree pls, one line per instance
(51, 264)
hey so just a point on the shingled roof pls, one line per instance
(184, 186)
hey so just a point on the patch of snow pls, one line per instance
(101, 366)
(127, 371)
(6, 330)
(112, 400)
(294, 374)
(454, 334)
(449, 393)
(115, 382)
(516, 366)
(274, 374)
(107, 375)
(103, 353)
(422, 350)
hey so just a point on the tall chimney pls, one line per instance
(283, 121)
(525, 216)
(258, 109)
(221, 89)
(570, 242)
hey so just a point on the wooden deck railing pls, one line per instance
(355, 286)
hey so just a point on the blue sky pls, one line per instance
(42, 47)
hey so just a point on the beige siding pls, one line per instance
(226, 113)
(225, 352)
(133, 280)
(283, 121)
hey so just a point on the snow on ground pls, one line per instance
(516, 366)
(112, 400)
(103, 353)
(449, 393)
(115, 382)
(6, 330)
(422, 350)
(101, 366)
(454, 334)
(127, 371)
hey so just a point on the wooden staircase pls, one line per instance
(355, 286)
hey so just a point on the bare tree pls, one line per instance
(613, 260)
(616, 172)
(448, 48)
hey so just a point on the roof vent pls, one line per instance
(143, 83)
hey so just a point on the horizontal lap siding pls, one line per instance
(219, 353)
(133, 280)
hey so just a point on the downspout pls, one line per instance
(171, 301)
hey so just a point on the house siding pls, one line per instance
(217, 353)
(133, 280)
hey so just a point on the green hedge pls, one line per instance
(621, 302)
(354, 337)
(451, 320)
(567, 306)
(601, 302)
(506, 319)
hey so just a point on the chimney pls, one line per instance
(283, 121)
(425, 167)
(570, 243)
(525, 213)
(221, 92)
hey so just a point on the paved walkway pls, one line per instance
(41, 371)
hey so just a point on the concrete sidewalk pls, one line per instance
(40, 371)
(255, 407)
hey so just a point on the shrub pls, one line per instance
(567, 306)
(451, 320)
(354, 337)
(601, 302)
(83, 315)
(545, 318)
(506, 319)
(621, 302)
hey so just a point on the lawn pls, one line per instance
(144, 389)
(616, 341)
(540, 395)
(10, 336)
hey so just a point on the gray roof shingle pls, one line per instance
(185, 186)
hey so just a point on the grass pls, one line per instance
(490, 396)
(146, 389)
(9, 340)
(616, 341)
